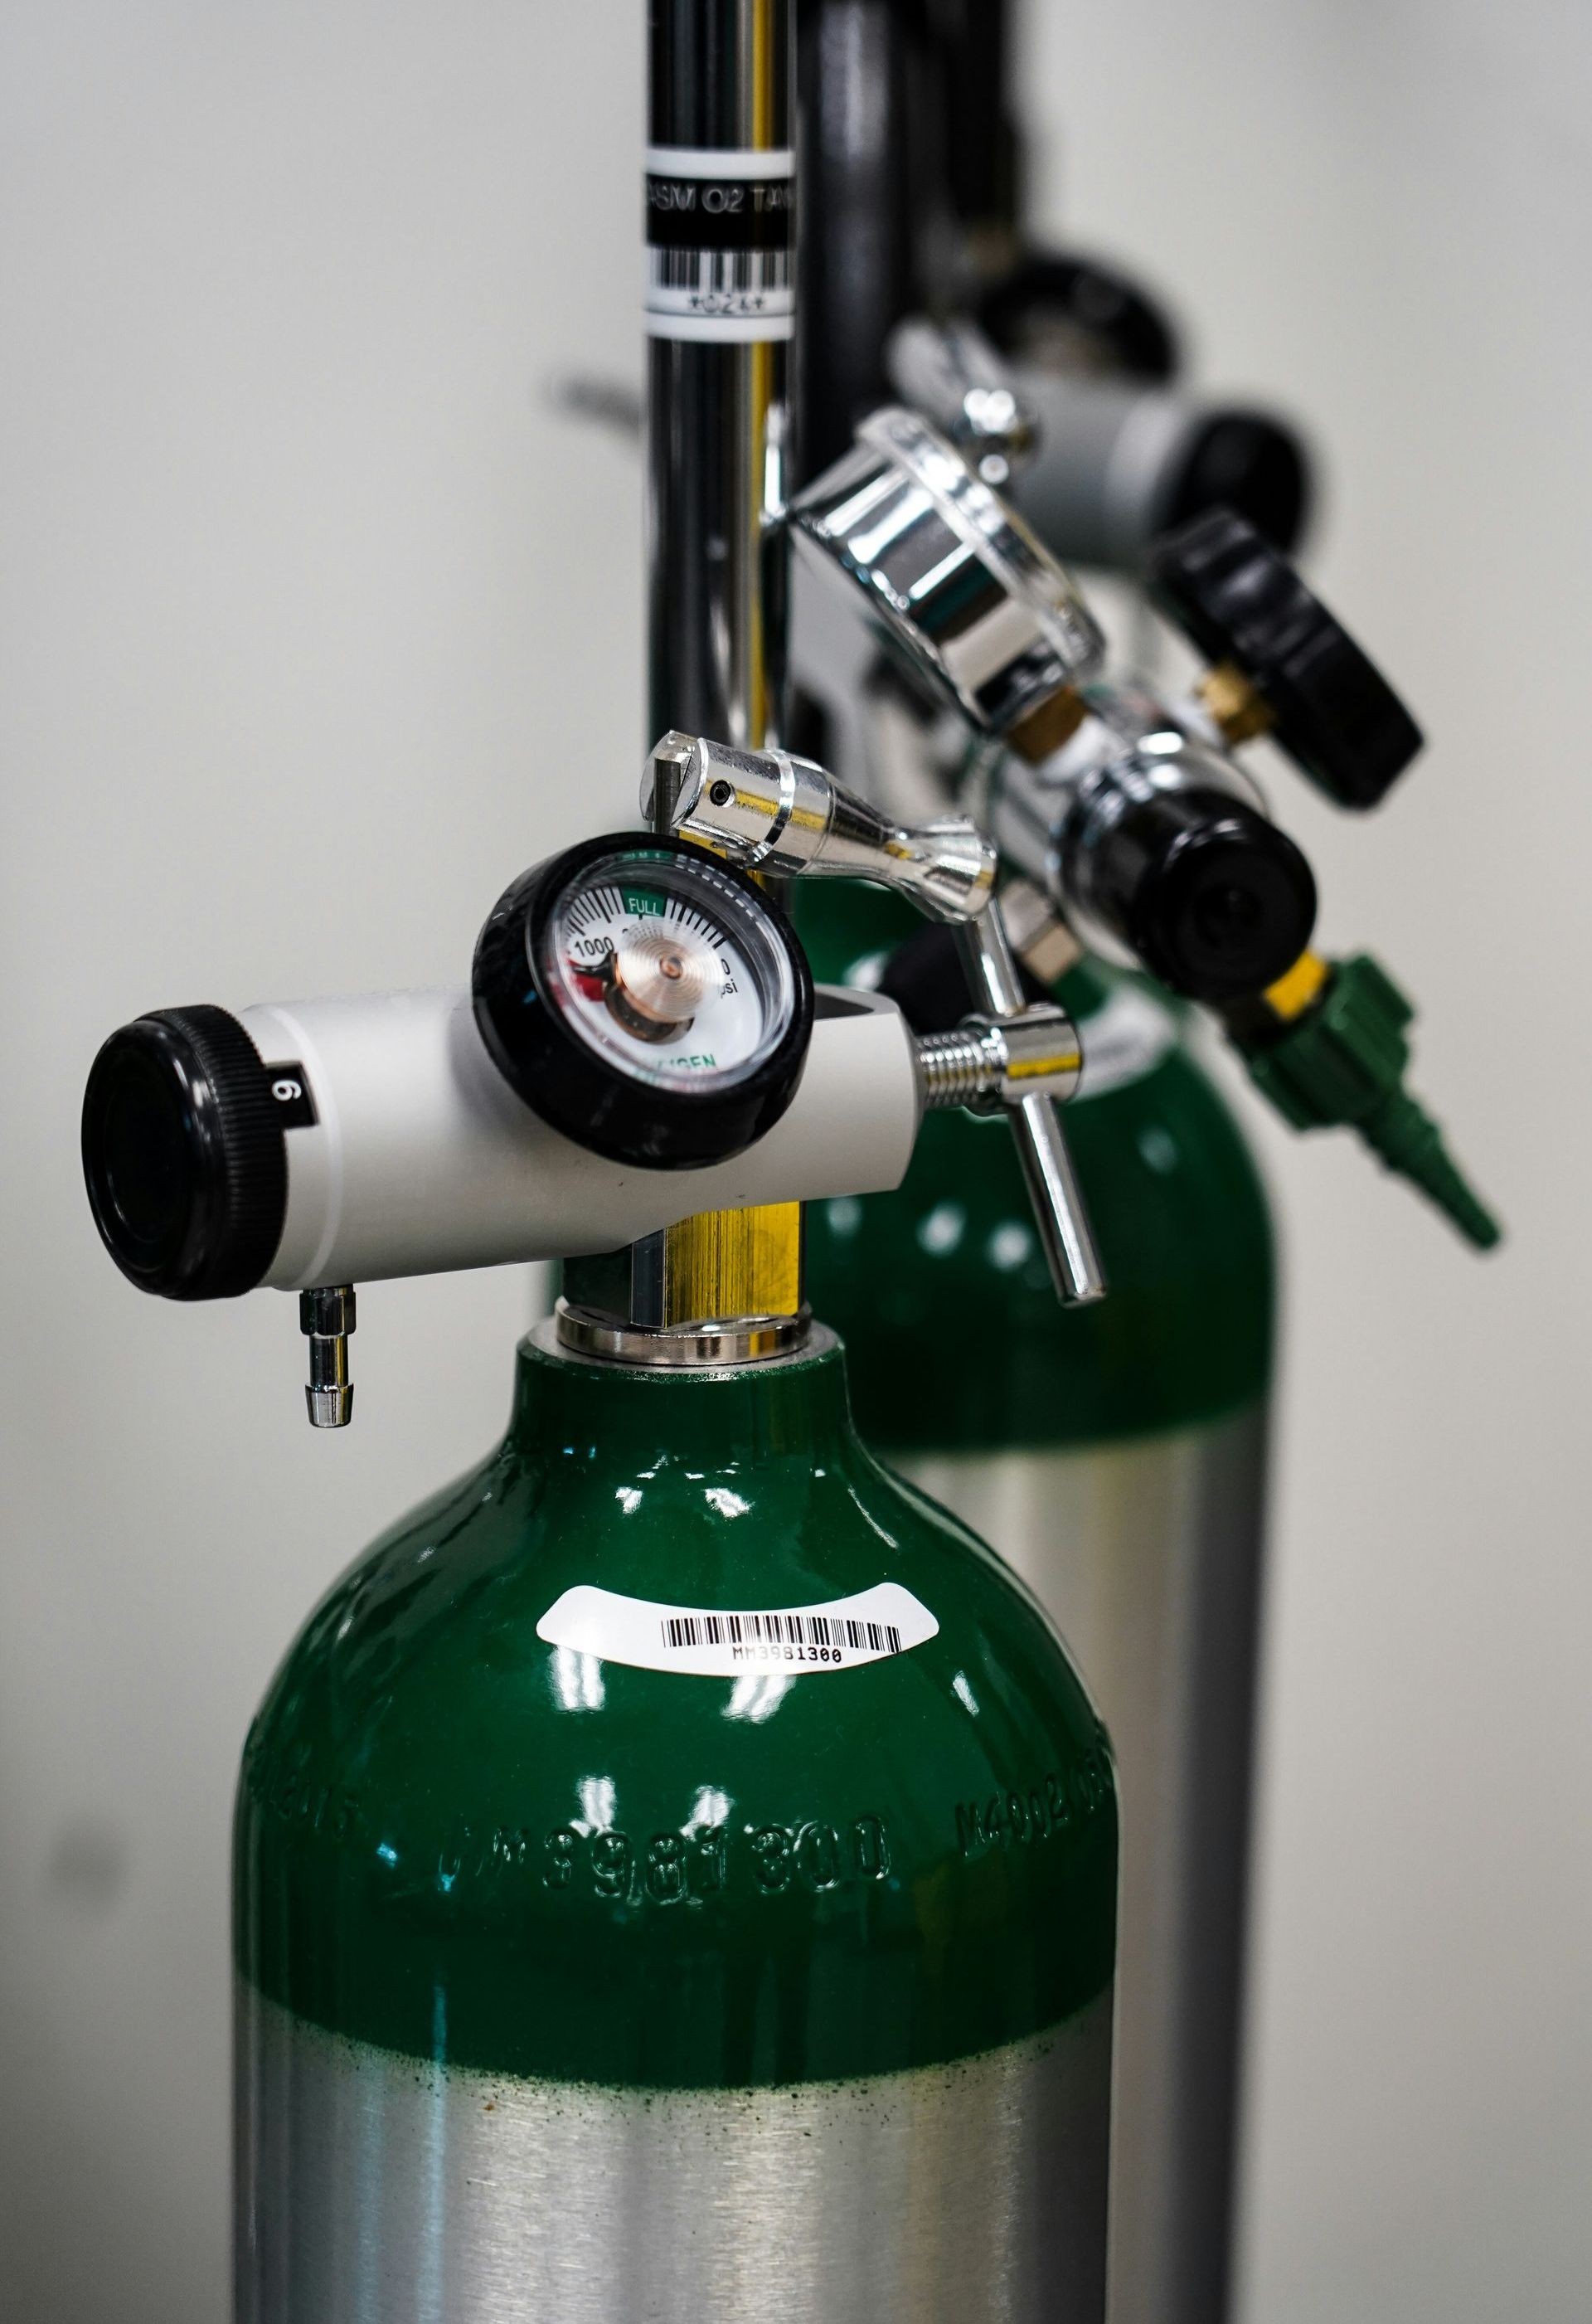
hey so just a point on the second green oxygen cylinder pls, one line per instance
(1115, 1455)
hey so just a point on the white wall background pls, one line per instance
(315, 626)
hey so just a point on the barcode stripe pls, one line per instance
(720, 269)
(682, 1631)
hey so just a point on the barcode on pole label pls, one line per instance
(869, 1627)
(720, 243)
(689, 290)
(708, 275)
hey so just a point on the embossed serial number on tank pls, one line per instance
(1040, 1810)
(671, 1867)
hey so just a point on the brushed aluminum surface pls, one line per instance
(1147, 1555)
(376, 2189)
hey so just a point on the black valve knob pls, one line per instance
(1244, 606)
(1210, 898)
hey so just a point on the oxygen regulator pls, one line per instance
(641, 1042)
(1130, 825)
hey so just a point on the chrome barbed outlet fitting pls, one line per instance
(326, 1318)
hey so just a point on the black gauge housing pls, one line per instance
(1215, 900)
(575, 1087)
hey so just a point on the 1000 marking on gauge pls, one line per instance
(668, 969)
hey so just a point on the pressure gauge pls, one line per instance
(958, 589)
(645, 999)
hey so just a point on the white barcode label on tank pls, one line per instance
(716, 1643)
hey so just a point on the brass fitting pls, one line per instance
(1238, 709)
(1043, 731)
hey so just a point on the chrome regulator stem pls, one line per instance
(987, 1064)
(1053, 1192)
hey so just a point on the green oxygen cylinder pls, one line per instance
(676, 1869)
(675, 1877)
(1115, 1455)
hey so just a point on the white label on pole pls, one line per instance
(720, 245)
(741, 161)
(703, 1643)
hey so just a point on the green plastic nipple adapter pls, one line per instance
(1342, 1061)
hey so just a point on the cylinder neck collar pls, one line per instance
(700, 1346)
(796, 1405)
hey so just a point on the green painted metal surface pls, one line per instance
(956, 1340)
(455, 1840)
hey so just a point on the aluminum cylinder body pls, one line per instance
(1147, 1556)
(386, 2187)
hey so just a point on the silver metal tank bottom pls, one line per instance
(1147, 1556)
(377, 2189)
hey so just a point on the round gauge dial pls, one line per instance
(668, 969)
(646, 999)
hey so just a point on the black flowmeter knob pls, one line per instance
(1215, 900)
(1243, 605)
(183, 1155)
